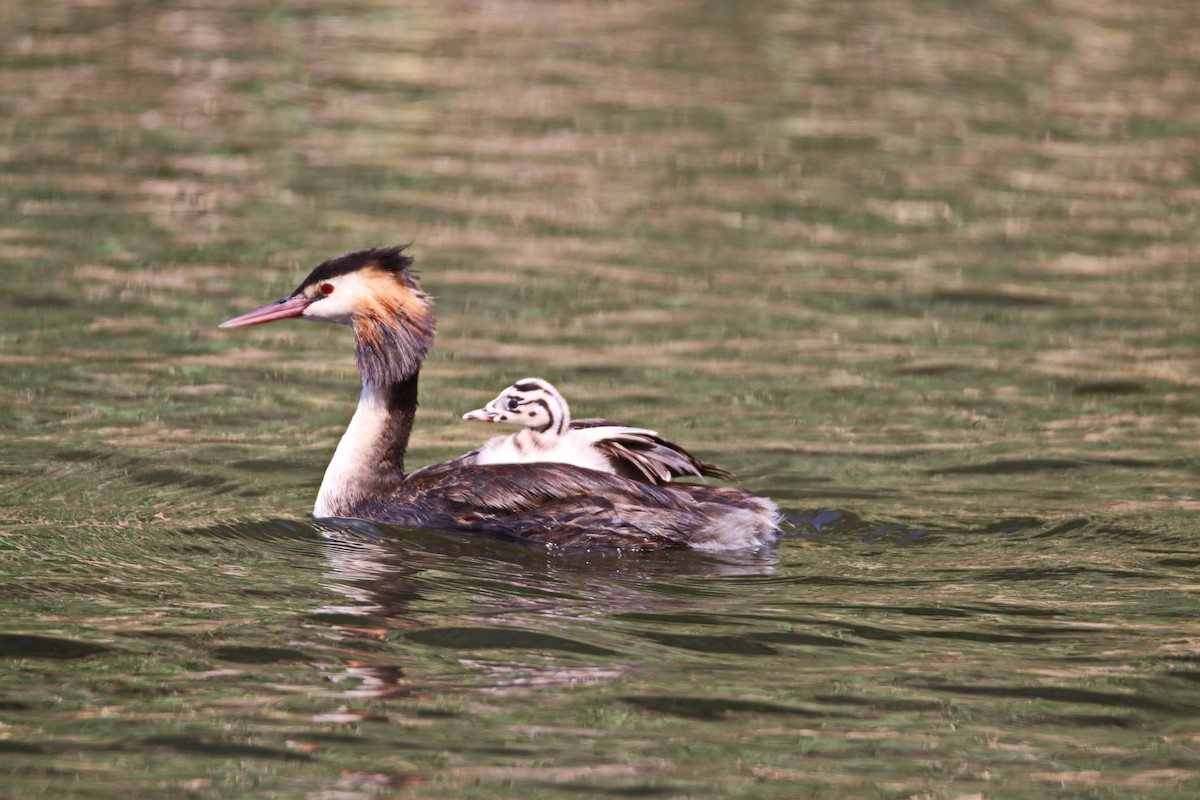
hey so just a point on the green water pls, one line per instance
(924, 273)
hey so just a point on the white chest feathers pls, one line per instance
(529, 446)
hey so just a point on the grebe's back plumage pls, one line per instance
(549, 434)
(374, 293)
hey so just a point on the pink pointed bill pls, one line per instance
(282, 309)
(480, 415)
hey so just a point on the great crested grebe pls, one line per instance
(549, 434)
(374, 293)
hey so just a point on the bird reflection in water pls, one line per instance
(476, 594)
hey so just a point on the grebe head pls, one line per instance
(530, 403)
(374, 293)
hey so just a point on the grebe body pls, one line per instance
(374, 292)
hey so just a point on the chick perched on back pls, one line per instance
(549, 434)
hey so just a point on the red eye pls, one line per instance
(326, 288)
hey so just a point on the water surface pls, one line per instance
(924, 274)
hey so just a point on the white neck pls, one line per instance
(353, 460)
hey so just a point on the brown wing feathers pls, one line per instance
(654, 458)
(552, 503)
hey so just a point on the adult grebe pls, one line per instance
(549, 434)
(374, 293)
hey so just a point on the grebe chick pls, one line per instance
(549, 434)
(375, 294)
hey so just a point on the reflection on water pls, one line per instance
(924, 278)
(398, 579)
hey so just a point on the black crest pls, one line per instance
(389, 259)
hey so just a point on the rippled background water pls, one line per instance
(923, 272)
